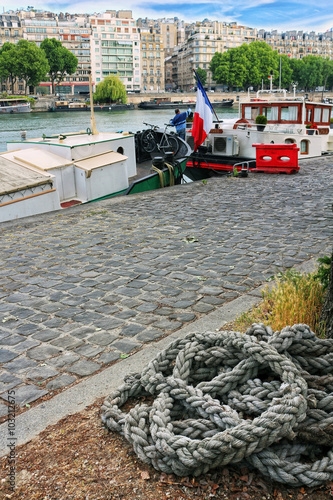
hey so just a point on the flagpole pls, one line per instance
(198, 79)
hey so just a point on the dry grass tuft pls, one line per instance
(294, 298)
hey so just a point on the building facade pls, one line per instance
(115, 48)
(147, 55)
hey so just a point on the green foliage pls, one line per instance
(111, 89)
(61, 60)
(33, 66)
(323, 272)
(202, 74)
(261, 120)
(251, 64)
(23, 60)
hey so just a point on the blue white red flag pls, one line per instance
(203, 116)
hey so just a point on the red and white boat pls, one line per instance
(292, 124)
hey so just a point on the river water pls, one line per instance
(37, 124)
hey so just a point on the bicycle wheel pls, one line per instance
(148, 141)
(169, 144)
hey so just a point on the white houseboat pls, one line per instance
(18, 105)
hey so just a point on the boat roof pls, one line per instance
(101, 160)
(37, 159)
(71, 140)
(287, 100)
(15, 177)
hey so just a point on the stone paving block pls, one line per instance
(4, 334)
(125, 314)
(20, 365)
(131, 330)
(183, 317)
(46, 335)
(102, 338)
(64, 360)
(109, 357)
(167, 325)
(41, 373)
(26, 394)
(43, 352)
(11, 340)
(84, 368)
(83, 332)
(60, 382)
(3, 410)
(125, 345)
(6, 355)
(215, 301)
(201, 307)
(25, 346)
(67, 342)
(8, 381)
(148, 307)
(88, 350)
(27, 329)
(150, 335)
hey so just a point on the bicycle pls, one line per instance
(150, 142)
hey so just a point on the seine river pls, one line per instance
(37, 124)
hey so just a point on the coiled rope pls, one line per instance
(262, 398)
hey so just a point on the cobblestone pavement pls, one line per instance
(83, 287)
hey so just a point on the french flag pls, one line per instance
(203, 116)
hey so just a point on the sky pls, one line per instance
(306, 15)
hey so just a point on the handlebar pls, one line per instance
(150, 125)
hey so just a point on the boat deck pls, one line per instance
(15, 177)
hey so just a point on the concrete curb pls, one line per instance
(73, 400)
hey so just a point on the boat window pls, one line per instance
(289, 141)
(247, 113)
(272, 113)
(317, 115)
(304, 147)
(289, 113)
(309, 119)
(254, 113)
(326, 115)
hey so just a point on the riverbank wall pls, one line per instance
(45, 103)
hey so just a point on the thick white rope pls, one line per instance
(262, 398)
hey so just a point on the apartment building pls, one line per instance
(152, 59)
(203, 40)
(115, 48)
(150, 55)
(74, 33)
(297, 44)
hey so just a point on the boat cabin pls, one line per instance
(287, 112)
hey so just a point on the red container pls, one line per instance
(277, 158)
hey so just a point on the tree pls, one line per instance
(33, 66)
(249, 64)
(61, 60)
(310, 75)
(9, 63)
(111, 89)
(202, 74)
(286, 70)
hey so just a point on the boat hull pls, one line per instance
(20, 108)
(162, 105)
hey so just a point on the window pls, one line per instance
(289, 113)
(326, 115)
(317, 115)
(304, 147)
